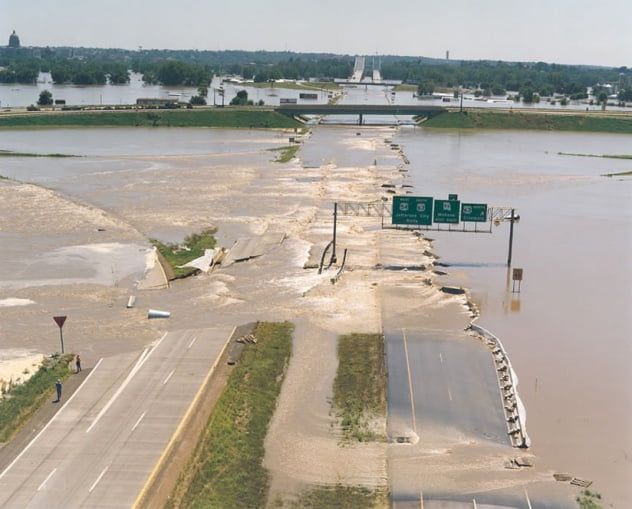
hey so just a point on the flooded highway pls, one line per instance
(568, 332)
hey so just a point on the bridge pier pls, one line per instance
(360, 119)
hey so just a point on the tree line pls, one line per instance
(87, 66)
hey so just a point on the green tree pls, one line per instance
(241, 99)
(527, 94)
(425, 88)
(197, 100)
(625, 94)
(203, 91)
(45, 98)
(171, 73)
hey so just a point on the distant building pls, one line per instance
(14, 40)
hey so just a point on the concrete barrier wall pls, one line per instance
(515, 412)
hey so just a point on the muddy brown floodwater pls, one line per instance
(569, 330)
(73, 235)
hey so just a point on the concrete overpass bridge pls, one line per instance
(299, 110)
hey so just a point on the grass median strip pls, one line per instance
(21, 401)
(226, 470)
(193, 247)
(360, 387)
(286, 154)
(341, 497)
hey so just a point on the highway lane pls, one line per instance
(102, 444)
(443, 386)
(443, 379)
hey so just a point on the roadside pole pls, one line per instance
(59, 320)
(333, 253)
(511, 228)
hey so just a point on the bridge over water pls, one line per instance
(298, 110)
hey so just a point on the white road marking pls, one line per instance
(441, 357)
(168, 377)
(46, 480)
(528, 500)
(51, 421)
(137, 366)
(191, 343)
(474, 503)
(449, 394)
(410, 383)
(94, 484)
(138, 421)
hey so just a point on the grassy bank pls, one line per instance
(285, 154)
(21, 401)
(360, 386)
(340, 497)
(520, 120)
(203, 117)
(226, 469)
(618, 174)
(9, 153)
(193, 247)
(589, 500)
(605, 156)
(405, 87)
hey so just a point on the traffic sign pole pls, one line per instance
(333, 253)
(59, 320)
(511, 227)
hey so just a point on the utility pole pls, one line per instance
(333, 253)
(511, 228)
(461, 109)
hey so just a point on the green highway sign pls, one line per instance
(446, 211)
(412, 210)
(474, 212)
(453, 197)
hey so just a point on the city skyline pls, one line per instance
(567, 32)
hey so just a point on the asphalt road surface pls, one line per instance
(102, 444)
(440, 380)
(444, 386)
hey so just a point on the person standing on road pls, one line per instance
(78, 363)
(58, 387)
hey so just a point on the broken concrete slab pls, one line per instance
(252, 247)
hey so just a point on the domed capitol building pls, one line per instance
(14, 40)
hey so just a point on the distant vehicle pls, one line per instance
(446, 99)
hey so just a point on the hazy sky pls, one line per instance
(564, 31)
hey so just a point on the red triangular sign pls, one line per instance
(59, 320)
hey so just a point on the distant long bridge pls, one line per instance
(298, 110)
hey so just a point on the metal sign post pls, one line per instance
(333, 253)
(59, 320)
(516, 276)
(512, 219)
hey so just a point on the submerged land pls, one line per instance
(328, 403)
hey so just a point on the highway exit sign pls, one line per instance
(474, 212)
(412, 210)
(446, 211)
